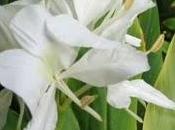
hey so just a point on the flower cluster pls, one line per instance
(40, 41)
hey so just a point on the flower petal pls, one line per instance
(7, 12)
(119, 94)
(118, 29)
(65, 29)
(88, 10)
(24, 75)
(45, 116)
(104, 67)
(29, 29)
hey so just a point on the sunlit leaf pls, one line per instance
(158, 118)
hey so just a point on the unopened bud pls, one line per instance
(158, 44)
(87, 100)
(128, 4)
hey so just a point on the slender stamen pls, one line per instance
(134, 115)
(62, 86)
(157, 45)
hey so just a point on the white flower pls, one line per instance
(35, 72)
(50, 46)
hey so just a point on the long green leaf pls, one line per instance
(151, 29)
(158, 118)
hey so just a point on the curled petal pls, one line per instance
(67, 30)
(119, 95)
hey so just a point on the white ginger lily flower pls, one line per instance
(115, 29)
(35, 72)
(50, 45)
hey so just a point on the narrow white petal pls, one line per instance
(88, 10)
(45, 116)
(133, 40)
(24, 75)
(67, 30)
(104, 67)
(119, 95)
(118, 29)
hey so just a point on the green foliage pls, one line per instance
(157, 118)
(5, 101)
(170, 23)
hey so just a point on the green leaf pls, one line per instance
(158, 118)
(100, 105)
(12, 120)
(5, 101)
(170, 23)
(151, 29)
(67, 120)
(22, 109)
(121, 120)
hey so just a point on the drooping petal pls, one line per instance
(104, 67)
(45, 116)
(65, 29)
(118, 29)
(24, 75)
(88, 10)
(119, 95)
(29, 29)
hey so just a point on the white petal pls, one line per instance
(118, 29)
(24, 75)
(133, 40)
(45, 117)
(88, 10)
(104, 67)
(119, 94)
(65, 29)
(29, 29)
